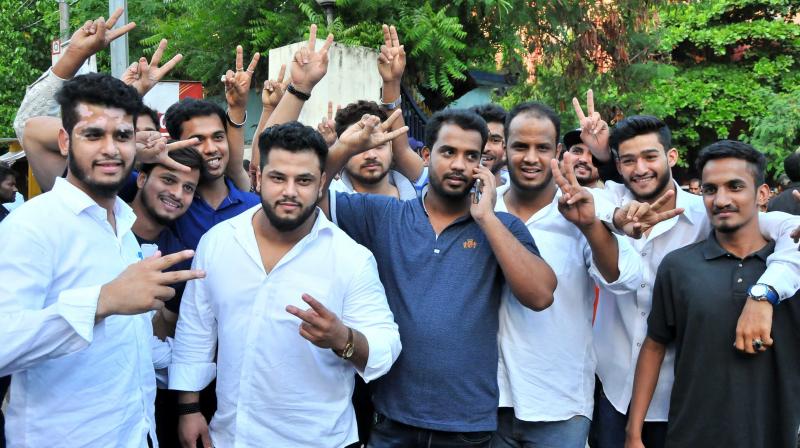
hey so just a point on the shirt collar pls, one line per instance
(234, 194)
(404, 186)
(501, 203)
(421, 200)
(78, 202)
(244, 222)
(712, 249)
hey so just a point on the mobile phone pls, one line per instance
(476, 190)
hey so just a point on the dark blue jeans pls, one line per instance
(515, 433)
(608, 426)
(388, 433)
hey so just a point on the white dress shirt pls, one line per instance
(547, 361)
(275, 388)
(621, 323)
(405, 188)
(75, 383)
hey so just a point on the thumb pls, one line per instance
(205, 438)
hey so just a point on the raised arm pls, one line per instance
(237, 88)
(391, 65)
(271, 95)
(594, 131)
(41, 149)
(309, 66)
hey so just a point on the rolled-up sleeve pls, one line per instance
(783, 266)
(629, 265)
(366, 310)
(39, 101)
(192, 367)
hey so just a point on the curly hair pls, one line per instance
(188, 108)
(293, 137)
(353, 112)
(96, 89)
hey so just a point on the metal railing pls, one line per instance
(414, 116)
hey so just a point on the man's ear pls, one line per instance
(322, 180)
(425, 152)
(762, 194)
(258, 180)
(141, 179)
(672, 157)
(63, 142)
(559, 150)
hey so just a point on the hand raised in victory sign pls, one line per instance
(392, 59)
(273, 90)
(368, 133)
(310, 65)
(594, 131)
(636, 218)
(152, 147)
(327, 127)
(89, 39)
(576, 203)
(320, 326)
(143, 75)
(238, 83)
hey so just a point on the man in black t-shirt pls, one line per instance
(740, 393)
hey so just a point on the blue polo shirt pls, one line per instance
(444, 292)
(200, 217)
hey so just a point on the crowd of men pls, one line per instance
(506, 286)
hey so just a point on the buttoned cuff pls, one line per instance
(383, 351)
(191, 377)
(629, 266)
(781, 277)
(604, 210)
(79, 307)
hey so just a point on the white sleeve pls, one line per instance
(783, 266)
(29, 331)
(366, 310)
(192, 367)
(39, 101)
(629, 265)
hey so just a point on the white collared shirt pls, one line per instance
(405, 189)
(275, 388)
(547, 361)
(621, 323)
(74, 383)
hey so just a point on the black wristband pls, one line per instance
(188, 408)
(301, 95)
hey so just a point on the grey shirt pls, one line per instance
(722, 397)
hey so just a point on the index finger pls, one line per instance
(561, 181)
(172, 259)
(312, 37)
(172, 277)
(182, 143)
(569, 169)
(116, 32)
(158, 53)
(253, 62)
(316, 306)
(327, 44)
(660, 202)
(282, 73)
(395, 39)
(578, 110)
(112, 20)
(330, 110)
(386, 125)
(239, 58)
(590, 102)
(166, 68)
(387, 36)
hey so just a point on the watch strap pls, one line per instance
(347, 351)
(394, 104)
(188, 408)
(301, 95)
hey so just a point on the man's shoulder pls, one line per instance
(684, 257)
(509, 220)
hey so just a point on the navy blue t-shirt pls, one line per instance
(200, 217)
(445, 294)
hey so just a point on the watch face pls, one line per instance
(758, 290)
(348, 352)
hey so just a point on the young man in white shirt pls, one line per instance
(74, 302)
(546, 372)
(295, 307)
(643, 150)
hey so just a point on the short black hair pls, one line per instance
(537, 110)
(294, 137)
(724, 149)
(636, 125)
(188, 157)
(96, 89)
(6, 171)
(188, 108)
(463, 118)
(791, 166)
(150, 113)
(353, 112)
(491, 113)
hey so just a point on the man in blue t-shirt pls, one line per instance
(443, 259)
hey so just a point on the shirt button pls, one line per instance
(644, 254)
(740, 265)
(738, 280)
(643, 285)
(643, 313)
(638, 344)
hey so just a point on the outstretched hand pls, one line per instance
(237, 83)
(594, 131)
(143, 75)
(310, 65)
(636, 218)
(368, 133)
(320, 326)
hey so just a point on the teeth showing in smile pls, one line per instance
(170, 203)
(213, 163)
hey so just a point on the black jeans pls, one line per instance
(388, 433)
(608, 426)
(4, 383)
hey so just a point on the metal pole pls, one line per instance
(63, 21)
(329, 15)
(119, 47)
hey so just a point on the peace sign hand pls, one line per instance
(320, 326)
(594, 131)
(273, 91)
(143, 75)
(368, 133)
(309, 66)
(392, 59)
(327, 127)
(238, 83)
(95, 35)
(636, 218)
(576, 203)
(151, 147)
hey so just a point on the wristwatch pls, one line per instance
(763, 293)
(394, 104)
(349, 348)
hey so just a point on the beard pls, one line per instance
(436, 185)
(153, 213)
(366, 180)
(661, 186)
(107, 190)
(286, 224)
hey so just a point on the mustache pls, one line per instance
(718, 210)
(455, 176)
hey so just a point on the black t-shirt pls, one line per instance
(722, 397)
(785, 202)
